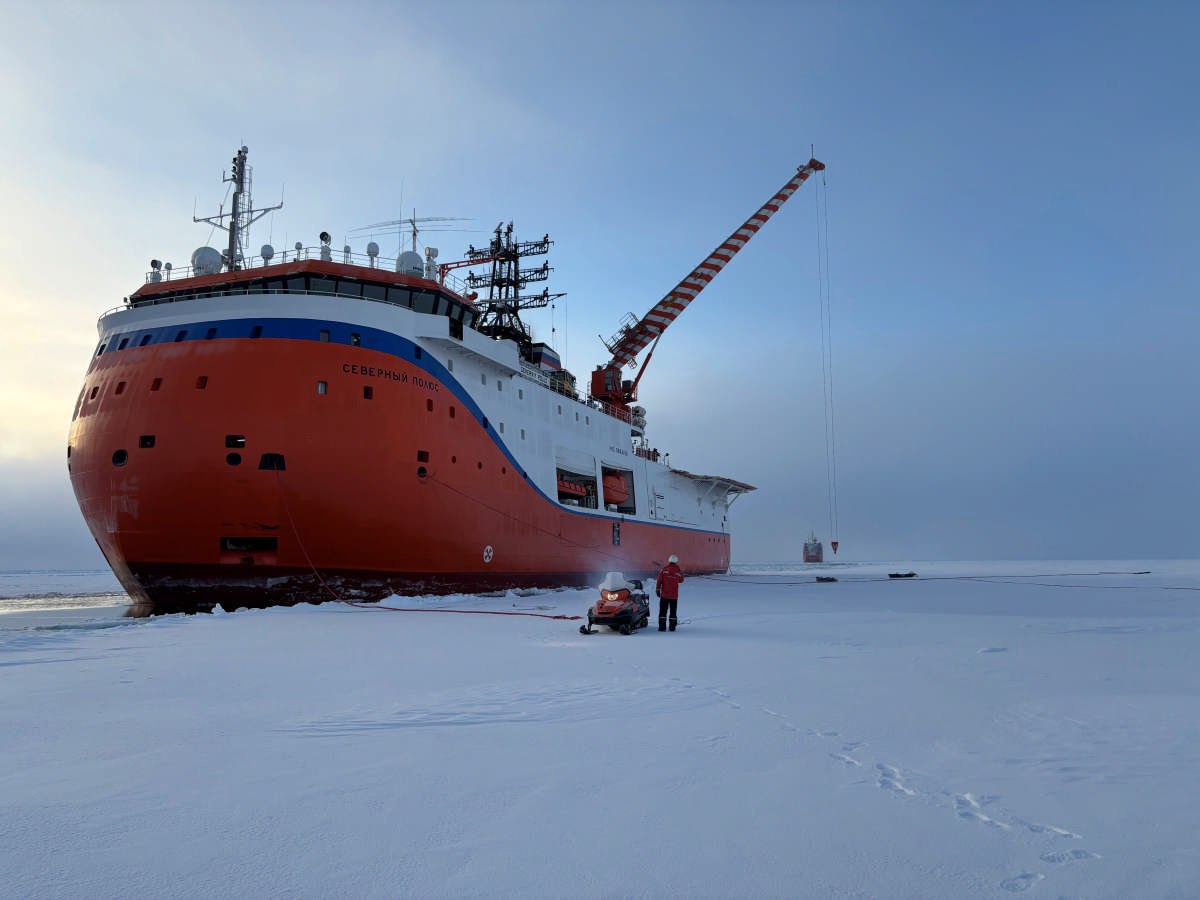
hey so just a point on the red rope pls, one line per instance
(477, 612)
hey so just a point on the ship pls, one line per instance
(814, 552)
(269, 429)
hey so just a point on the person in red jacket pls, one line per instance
(667, 588)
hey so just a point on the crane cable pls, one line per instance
(823, 296)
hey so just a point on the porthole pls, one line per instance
(156, 384)
(479, 465)
(422, 471)
(120, 458)
(233, 459)
(201, 382)
(453, 460)
(120, 388)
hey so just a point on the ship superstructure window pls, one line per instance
(355, 338)
(100, 349)
(483, 377)
(210, 334)
(502, 428)
(146, 441)
(235, 440)
(156, 384)
(374, 291)
(452, 412)
(120, 388)
(450, 365)
(417, 354)
(124, 343)
(95, 391)
(499, 385)
(325, 335)
(256, 331)
(422, 456)
(272, 462)
(319, 285)
(145, 340)
(428, 406)
(180, 336)
(520, 393)
(322, 387)
(368, 392)
(400, 296)
(522, 434)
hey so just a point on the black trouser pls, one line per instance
(663, 605)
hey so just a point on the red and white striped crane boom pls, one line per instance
(634, 337)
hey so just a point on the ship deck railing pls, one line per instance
(536, 375)
(283, 257)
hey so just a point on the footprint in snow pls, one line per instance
(1061, 857)
(993, 649)
(1022, 882)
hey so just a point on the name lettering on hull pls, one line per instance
(391, 375)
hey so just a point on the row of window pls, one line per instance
(421, 301)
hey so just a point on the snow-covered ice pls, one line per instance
(1035, 730)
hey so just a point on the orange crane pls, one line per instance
(635, 336)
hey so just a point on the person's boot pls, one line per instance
(674, 622)
(662, 624)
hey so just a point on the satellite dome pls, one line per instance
(410, 263)
(372, 249)
(207, 261)
(267, 252)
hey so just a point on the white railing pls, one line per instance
(282, 257)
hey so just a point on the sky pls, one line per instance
(950, 736)
(1011, 233)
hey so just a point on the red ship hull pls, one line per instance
(220, 472)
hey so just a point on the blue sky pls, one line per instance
(1013, 238)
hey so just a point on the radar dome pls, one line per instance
(410, 263)
(372, 249)
(267, 252)
(207, 261)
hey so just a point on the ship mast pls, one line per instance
(240, 219)
(501, 316)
